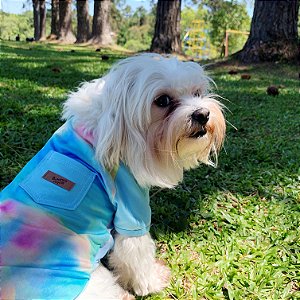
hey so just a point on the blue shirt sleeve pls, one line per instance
(133, 213)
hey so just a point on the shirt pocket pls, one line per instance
(58, 181)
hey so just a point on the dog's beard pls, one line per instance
(175, 142)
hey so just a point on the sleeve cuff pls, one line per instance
(138, 232)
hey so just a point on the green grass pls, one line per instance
(227, 233)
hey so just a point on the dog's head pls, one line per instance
(152, 113)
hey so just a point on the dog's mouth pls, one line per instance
(199, 133)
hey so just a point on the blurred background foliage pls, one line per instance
(133, 29)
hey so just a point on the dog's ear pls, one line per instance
(96, 107)
(120, 128)
(85, 105)
(112, 109)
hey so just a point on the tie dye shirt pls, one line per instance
(56, 217)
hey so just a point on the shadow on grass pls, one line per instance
(22, 138)
(53, 67)
(260, 160)
(53, 50)
(67, 78)
(262, 154)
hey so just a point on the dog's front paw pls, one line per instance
(156, 281)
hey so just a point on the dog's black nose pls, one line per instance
(201, 115)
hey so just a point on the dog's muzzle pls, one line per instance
(199, 118)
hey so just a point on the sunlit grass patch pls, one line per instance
(226, 233)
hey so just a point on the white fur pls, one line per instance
(117, 109)
(135, 268)
(156, 143)
(103, 286)
(133, 261)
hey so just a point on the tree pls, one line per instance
(101, 31)
(83, 22)
(54, 19)
(140, 16)
(16, 24)
(274, 32)
(39, 19)
(166, 37)
(225, 15)
(36, 19)
(42, 20)
(65, 22)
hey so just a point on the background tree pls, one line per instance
(166, 37)
(101, 31)
(65, 22)
(42, 20)
(54, 19)
(274, 32)
(224, 15)
(134, 29)
(36, 19)
(12, 25)
(83, 21)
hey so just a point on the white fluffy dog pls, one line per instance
(145, 122)
(154, 114)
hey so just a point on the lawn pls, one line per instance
(227, 233)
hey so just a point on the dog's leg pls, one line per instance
(102, 285)
(133, 262)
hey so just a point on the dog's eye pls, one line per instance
(197, 93)
(163, 101)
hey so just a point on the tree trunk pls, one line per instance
(65, 22)
(43, 12)
(36, 19)
(101, 31)
(83, 21)
(274, 33)
(54, 19)
(167, 27)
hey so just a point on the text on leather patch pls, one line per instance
(59, 180)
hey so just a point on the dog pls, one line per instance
(85, 194)
(30, 40)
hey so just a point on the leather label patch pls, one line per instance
(59, 180)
